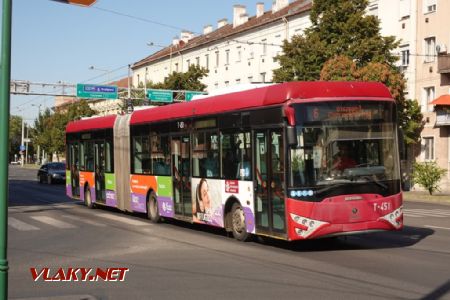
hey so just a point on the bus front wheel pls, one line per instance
(238, 223)
(152, 209)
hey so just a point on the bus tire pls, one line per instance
(238, 227)
(152, 209)
(87, 198)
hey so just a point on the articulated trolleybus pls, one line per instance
(294, 161)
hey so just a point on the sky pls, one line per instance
(54, 42)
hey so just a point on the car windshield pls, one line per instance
(344, 151)
(57, 166)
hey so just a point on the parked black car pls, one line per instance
(52, 172)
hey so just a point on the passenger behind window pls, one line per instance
(211, 166)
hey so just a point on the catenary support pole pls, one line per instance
(5, 72)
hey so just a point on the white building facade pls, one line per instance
(241, 51)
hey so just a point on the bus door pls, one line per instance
(181, 175)
(269, 181)
(99, 163)
(74, 169)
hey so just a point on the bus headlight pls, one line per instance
(304, 227)
(394, 218)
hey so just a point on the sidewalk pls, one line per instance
(422, 196)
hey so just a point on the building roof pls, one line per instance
(122, 83)
(227, 31)
(264, 96)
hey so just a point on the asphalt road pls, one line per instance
(175, 260)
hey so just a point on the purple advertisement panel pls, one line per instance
(69, 190)
(81, 194)
(165, 207)
(249, 219)
(111, 199)
(138, 202)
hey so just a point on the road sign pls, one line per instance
(27, 140)
(160, 96)
(96, 91)
(189, 95)
(22, 148)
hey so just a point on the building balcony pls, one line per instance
(444, 63)
(442, 117)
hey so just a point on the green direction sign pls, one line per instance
(189, 95)
(96, 91)
(160, 96)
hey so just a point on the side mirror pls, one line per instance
(291, 136)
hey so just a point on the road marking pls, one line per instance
(436, 227)
(53, 222)
(420, 213)
(123, 220)
(83, 220)
(19, 225)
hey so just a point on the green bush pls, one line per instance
(428, 175)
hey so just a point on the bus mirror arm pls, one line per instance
(401, 143)
(291, 136)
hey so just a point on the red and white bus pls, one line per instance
(297, 160)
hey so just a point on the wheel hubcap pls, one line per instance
(238, 220)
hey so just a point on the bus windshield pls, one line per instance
(344, 143)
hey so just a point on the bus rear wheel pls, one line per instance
(152, 209)
(87, 198)
(238, 226)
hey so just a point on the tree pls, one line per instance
(49, 129)
(428, 175)
(189, 81)
(408, 111)
(338, 28)
(15, 135)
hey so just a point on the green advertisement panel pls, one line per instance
(164, 186)
(110, 181)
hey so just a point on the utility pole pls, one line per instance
(21, 142)
(5, 78)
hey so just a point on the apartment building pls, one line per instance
(433, 81)
(241, 51)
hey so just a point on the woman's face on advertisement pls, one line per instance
(204, 195)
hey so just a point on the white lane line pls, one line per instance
(413, 216)
(53, 222)
(123, 220)
(434, 211)
(19, 225)
(436, 227)
(83, 220)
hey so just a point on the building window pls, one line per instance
(405, 57)
(427, 97)
(264, 47)
(188, 62)
(217, 59)
(263, 77)
(176, 67)
(428, 148)
(430, 6)
(207, 61)
(197, 61)
(227, 57)
(430, 49)
(250, 79)
(239, 54)
(405, 8)
(238, 81)
(227, 83)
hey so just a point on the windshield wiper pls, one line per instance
(373, 179)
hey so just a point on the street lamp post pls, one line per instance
(107, 72)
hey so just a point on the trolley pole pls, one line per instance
(5, 71)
